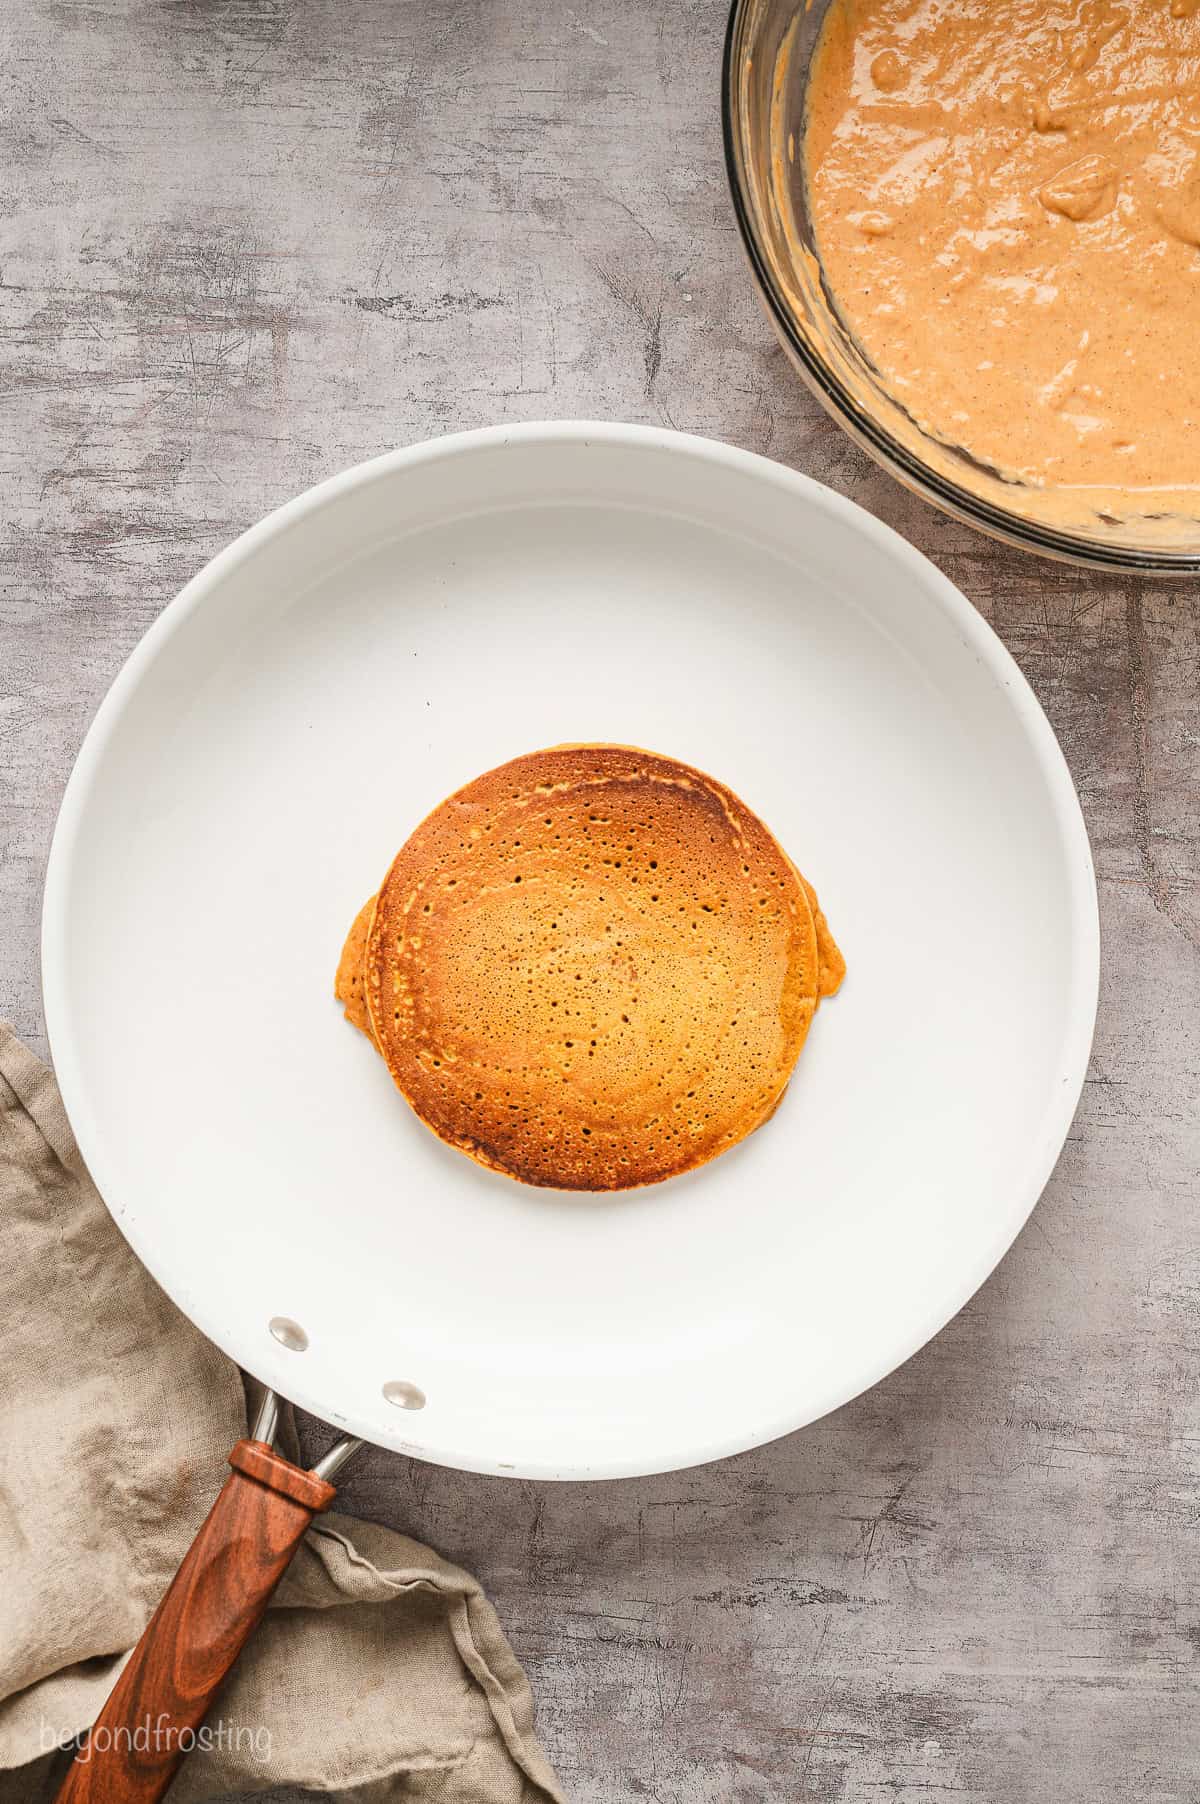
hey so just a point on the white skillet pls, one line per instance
(302, 705)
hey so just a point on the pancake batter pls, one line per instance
(1005, 196)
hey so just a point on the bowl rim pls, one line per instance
(918, 477)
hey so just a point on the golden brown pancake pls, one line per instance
(829, 953)
(591, 968)
(348, 984)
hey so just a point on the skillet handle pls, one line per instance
(197, 1632)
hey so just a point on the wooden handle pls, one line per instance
(198, 1630)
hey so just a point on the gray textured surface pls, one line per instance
(247, 242)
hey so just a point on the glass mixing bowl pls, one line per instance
(768, 54)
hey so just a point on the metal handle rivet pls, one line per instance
(288, 1333)
(404, 1396)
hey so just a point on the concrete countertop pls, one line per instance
(249, 242)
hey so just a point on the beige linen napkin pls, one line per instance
(380, 1672)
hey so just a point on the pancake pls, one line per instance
(591, 968)
(348, 985)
